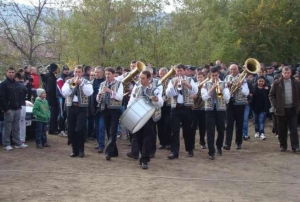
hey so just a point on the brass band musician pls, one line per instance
(215, 94)
(235, 108)
(180, 89)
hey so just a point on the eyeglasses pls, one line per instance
(93, 75)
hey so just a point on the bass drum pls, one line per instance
(137, 114)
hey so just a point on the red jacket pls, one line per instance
(36, 80)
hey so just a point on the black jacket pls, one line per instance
(23, 92)
(50, 88)
(10, 95)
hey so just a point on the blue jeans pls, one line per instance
(260, 122)
(245, 124)
(120, 125)
(100, 130)
(40, 133)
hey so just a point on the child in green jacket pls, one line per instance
(42, 114)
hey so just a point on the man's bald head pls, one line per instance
(234, 69)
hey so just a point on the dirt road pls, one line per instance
(258, 172)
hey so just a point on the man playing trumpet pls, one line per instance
(180, 89)
(110, 99)
(76, 92)
(215, 94)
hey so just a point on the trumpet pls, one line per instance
(218, 90)
(179, 85)
(73, 82)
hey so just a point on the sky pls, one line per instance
(168, 9)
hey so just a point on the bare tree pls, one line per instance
(23, 26)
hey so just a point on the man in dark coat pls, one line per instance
(50, 87)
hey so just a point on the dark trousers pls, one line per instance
(62, 114)
(215, 119)
(199, 120)
(164, 126)
(184, 116)
(90, 126)
(153, 142)
(235, 114)
(289, 121)
(144, 139)
(134, 145)
(275, 125)
(76, 123)
(111, 121)
(53, 126)
(40, 133)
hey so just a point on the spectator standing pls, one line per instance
(61, 101)
(23, 92)
(35, 81)
(42, 113)
(285, 98)
(10, 100)
(50, 87)
(28, 81)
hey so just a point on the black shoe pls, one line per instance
(96, 147)
(246, 138)
(39, 146)
(226, 147)
(108, 157)
(144, 166)
(220, 152)
(53, 133)
(73, 154)
(162, 147)
(203, 146)
(152, 156)
(46, 145)
(81, 154)
(190, 153)
(295, 150)
(212, 157)
(282, 149)
(129, 154)
(173, 156)
(238, 146)
(168, 147)
(100, 150)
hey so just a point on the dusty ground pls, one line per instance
(259, 172)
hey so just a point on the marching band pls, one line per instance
(149, 107)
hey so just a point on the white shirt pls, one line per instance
(206, 95)
(87, 89)
(158, 94)
(115, 95)
(172, 91)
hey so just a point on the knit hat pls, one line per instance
(39, 91)
(65, 67)
(53, 67)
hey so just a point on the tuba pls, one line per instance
(140, 66)
(198, 102)
(252, 66)
(164, 80)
